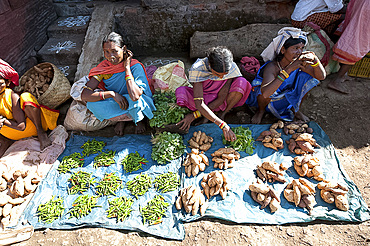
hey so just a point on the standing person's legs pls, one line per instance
(336, 82)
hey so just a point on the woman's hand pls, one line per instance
(186, 122)
(228, 133)
(309, 57)
(128, 57)
(122, 101)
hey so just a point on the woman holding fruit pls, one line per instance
(218, 86)
(284, 80)
(21, 116)
(125, 94)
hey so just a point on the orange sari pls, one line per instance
(49, 116)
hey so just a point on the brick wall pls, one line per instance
(23, 30)
(165, 25)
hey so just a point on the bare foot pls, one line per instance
(257, 117)
(119, 128)
(43, 139)
(298, 115)
(140, 128)
(337, 85)
(5, 143)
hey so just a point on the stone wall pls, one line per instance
(158, 26)
(23, 30)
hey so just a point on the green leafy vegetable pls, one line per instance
(167, 147)
(50, 211)
(244, 140)
(168, 112)
(133, 162)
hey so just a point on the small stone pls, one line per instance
(350, 129)
(367, 145)
(336, 107)
(290, 232)
(46, 231)
(322, 230)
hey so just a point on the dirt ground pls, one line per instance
(345, 119)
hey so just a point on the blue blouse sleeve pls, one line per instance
(138, 72)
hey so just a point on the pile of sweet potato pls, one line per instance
(224, 158)
(215, 183)
(302, 193)
(309, 165)
(37, 81)
(271, 138)
(14, 188)
(271, 171)
(296, 127)
(301, 144)
(264, 195)
(192, 200)
(200, 141)
(334, 193)
(195, 162)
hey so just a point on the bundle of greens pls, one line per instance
(80, 182)
(133, 162)
(50, 211)
(104, 159)
(167, 147)
(71, 161)
(244, 140)
(92, 147)
(153, 212)
(168, 112)
(120, 208)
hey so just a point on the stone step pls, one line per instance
(68, 70)
(67, 26)
(62, 50)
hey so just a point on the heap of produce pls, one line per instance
(271, 139)
(167, 147)
(296, 127)
(105, 159)
(309, 165)
(133, 162)
(80, 182)
(15, 189)
(120, 208)
(192, 200)
(108, 185)
(168, 112)
(244, 140)
(332, 192)
(302, 193)
(301, 144)
(271, 171)
(195, 162)
(37, 80)
(215, 183)
(82, 206)
(224, 158)
(51, 210)
(71, 161)
(154, 211)
(264, 195)
(139, 185)
(200, 141)
(167, 182)
(92, 147)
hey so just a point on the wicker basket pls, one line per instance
(361, 68)
(59, 88)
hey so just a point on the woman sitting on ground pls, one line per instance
(218, 86)
(125, 94)
(288, 74)
(21, 116)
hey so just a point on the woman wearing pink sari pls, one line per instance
(218, 86)
(354, 43)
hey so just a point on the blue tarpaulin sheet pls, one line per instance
(238, 205)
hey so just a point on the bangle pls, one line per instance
(222, 125)
(286, 75)
(215, 120)
(87, 87)
(103, 95)
(280, 78)
(198, 98)
(100, 94)
(316, 64)
(129, 77)
(196, 114)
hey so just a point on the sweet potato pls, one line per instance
(270, 145)
(272, 166)
(327, 196)
(178, 203)
(266, 201)
(296, 194)
(288, 194)
(203, 208)
(205, 146)
(259, 188)
(341, 202)
(260, 197)
(193, 144)
(274, 205)
(204, 159)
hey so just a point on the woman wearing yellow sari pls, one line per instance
(21, 116)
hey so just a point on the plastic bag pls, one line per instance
(79, 118)
(170, 77)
